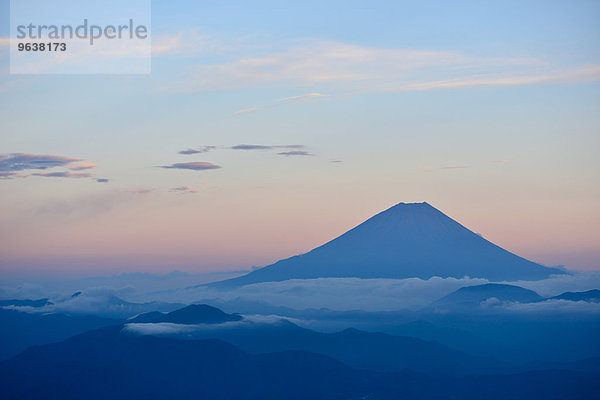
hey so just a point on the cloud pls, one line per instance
(11, 165)
(89, 206)
(250, 147)
(203, 149)
(187, 43)
(64, 174)
(375, 294)
(23, 161)
(102, 180)
(289, 146)
(553, 306)
(589, 73)
(575, 281)
(455, 167)
(308, 96)
(246, 111)
(105, 301)
(429, 169)
(183, 189)
(345, 66)
(11, 175)
(195, 166)
(342, 293)
(264, 147)
(295, 153)
(82, 166)
(191, 331)
(500, 161)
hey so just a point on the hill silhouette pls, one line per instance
(589, 296)
(106, 363)
(358, 349)
(475, 294)
(192, 314)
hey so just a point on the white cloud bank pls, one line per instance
(340, 294)
(199, 330)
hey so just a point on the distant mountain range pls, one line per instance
(19, 330)
(358, 349)
(113, 363)
(409, 240)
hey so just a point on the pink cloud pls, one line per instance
(81, 166)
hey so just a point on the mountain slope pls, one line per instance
(407, 240)
(358, 349)
(19, 330)
(106, 364)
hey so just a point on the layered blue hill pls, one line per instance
(405, 241)
(107, 364)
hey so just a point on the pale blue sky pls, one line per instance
(399, 92)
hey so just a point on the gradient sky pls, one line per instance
(488, 111)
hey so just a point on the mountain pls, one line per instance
(193, 314)
(358, 349)
(406, 241)
(592, 296)
(474, 295)
(145, 318)
(106, 363)
(19, 330)
(25, 303)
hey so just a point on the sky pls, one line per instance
(267, 129)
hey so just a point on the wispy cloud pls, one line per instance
(17, 165)
(246, 111)
(501, 161)
(102, 180)
(195, 166)
(64, 174)
(573, 75)
(250, 147)
(346, 66)
(455, 167)
(308, 96)
(183, 189)
(265, 147)
(90, 205)
(82, 166)
(11, 175)
(23, 161)
(430, 169)
(198, 150)
(295, 153)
